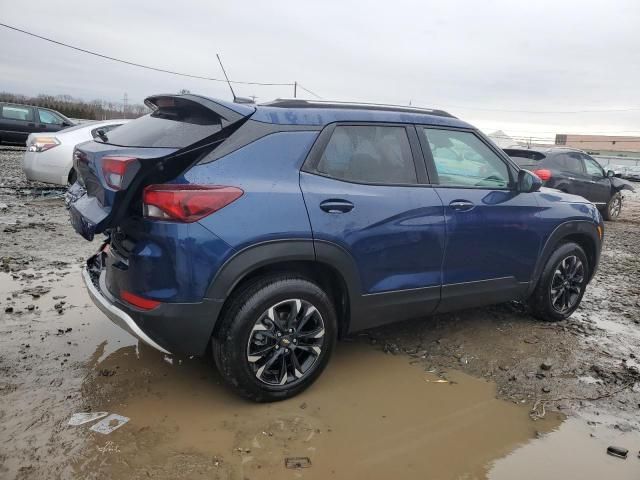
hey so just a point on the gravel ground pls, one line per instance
(59, 355)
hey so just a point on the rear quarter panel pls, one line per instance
(268, 171)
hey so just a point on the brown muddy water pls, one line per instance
(370, 415)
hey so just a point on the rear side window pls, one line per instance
(369, 154)
(174, 127)
(14, 112)
(463, 160)
(569, 162)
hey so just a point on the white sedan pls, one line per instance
(49, 158)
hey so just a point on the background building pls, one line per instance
(602, 144)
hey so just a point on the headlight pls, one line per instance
(41, 144)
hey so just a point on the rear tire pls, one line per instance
(275, 338)
(73, 176)
(562, 284)
(613, 208)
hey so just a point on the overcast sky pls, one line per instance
(474, 59)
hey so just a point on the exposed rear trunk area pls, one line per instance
(153, 149)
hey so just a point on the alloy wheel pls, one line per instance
(286, 341)
(615, 207)
(566, 284)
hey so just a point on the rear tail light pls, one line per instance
(42, 144)
(186, 203)
(543, 174)
(138, 301)
(115, 169)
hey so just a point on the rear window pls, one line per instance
(14, 112)
(174, 127)
(525, 158)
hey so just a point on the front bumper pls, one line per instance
(182, 328)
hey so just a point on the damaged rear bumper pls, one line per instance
(172, 328)
(117, 316)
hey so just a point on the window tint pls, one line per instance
(17, 113)
(369, 154)
(592, 167)
(49, 118)
(525, 162)
(168, 127)
(569, 162)
(462, 159)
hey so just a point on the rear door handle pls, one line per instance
(336, 206)
(462, 205)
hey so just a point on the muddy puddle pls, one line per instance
(371, 415)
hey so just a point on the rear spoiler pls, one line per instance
(228, 112)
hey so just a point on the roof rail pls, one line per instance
(299, 103)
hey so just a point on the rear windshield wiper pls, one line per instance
(103, 136)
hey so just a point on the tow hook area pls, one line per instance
(96, 263)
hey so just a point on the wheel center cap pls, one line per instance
(285, 342)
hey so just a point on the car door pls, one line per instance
(493, 237)
(367, 195)
(17, 123)
(573, 178)
(598, 185)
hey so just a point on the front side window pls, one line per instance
(17, 113)
(369, 154)
(463, 160)
(592, 167)
(49, 118)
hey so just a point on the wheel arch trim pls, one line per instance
(273, 252)
(563, 231)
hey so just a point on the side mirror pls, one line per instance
(66, 124)
(528, 182)
(611, 173)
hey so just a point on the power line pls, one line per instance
(127, 62)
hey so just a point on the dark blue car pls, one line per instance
(261, 234)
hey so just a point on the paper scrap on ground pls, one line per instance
(82, 418)
(109, 424)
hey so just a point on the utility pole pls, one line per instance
(125, 102)
(295, 89)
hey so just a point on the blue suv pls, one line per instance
(261, 234)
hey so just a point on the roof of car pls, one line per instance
(320, 113)
(543, 150)
(309, 112)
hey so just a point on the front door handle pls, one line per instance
(335, 205)
(462, 205)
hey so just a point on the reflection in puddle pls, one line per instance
(369, 416)
(575, 450)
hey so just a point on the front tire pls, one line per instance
(276, 337)
(613, 208)
(562, 284)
